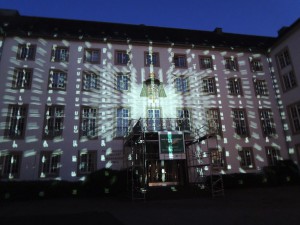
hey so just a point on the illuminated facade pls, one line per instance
(71, 90)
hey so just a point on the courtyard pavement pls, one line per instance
(251, 206)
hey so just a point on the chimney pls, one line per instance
(218, 30)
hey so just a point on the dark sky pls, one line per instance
(257, 17)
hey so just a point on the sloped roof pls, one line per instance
(15, 24)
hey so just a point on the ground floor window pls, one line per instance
(10, 163)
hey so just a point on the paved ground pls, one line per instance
(256, 206)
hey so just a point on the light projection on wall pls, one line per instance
(73, 103)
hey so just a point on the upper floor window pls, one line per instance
(122, 122)
(246, 158)
(16, 121)
(180, 61)
(90, 81)
(122, 82)
(183, 119)
(240, 122)
(26, 52)
(54, 120)
(267, 122)
(209, 85)
(151, 59)
(182, 84)
(235, 86)
(231, 63)
(88, 126)
(289, 81)
(294, 115)
(206, 62)
(217, 158)
(121, 57)
(57, 80)
(10, 163)
(273, 155)
(260, 87)
(60, 54)
(87, 162)
(214, 120)
(284, 58)
(92, 55)
(49, 164)
(22, 78)
(256, 65)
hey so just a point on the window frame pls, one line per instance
(267, 124)
(16, 79)
(235, 87)
(289, 81)
(244, 160)
(206, 88)
(94, 122)
(231, 63)
(283, 58)
(91, 50)
(294, 118)
(256, 65)
(124, 128)
(202, 63)
(123, 62)
(260, 87)
(156, 54)
(183, 116)
(11, 117)
(120, 78)
(91, 159)
(26, 57)
(54, 117)
(50, 80)
(177, 60)
(57, 56)
(52, 169)
(214, 113)
(183, 86)
(220, 157)
(4, 161)
(272, 157)
(97, 81)
(243, 129)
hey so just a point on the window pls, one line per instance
(10, 163)
(209, 85)
(256, 65)
(87, 162)
(283, 59)
(151, 59)
(49, 164)
(289, 81)
(267, 122)
(22, 79)
(217, 158)
(17, 115)
(183, 119)
(273, 155)
(26, 52)
(60, 54)
(294, 115)
(89, 122)
(54, 121)
(122, 82)
(231, 63)
(57, 80)
(235, 86)
(122, 122)
(180, 61)
(92, 55)
(90, 81)
(246, 158)
(260, 87)
(122, 58)
(240, 122)
(214, 120)
(182, 84)
(206, 62)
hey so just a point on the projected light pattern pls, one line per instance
(73, 124)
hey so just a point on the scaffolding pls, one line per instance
(205, 160)
(202, 162)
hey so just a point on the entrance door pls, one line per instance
(154, 119)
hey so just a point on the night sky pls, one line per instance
(257, 17)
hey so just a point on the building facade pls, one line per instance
(72, 91)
